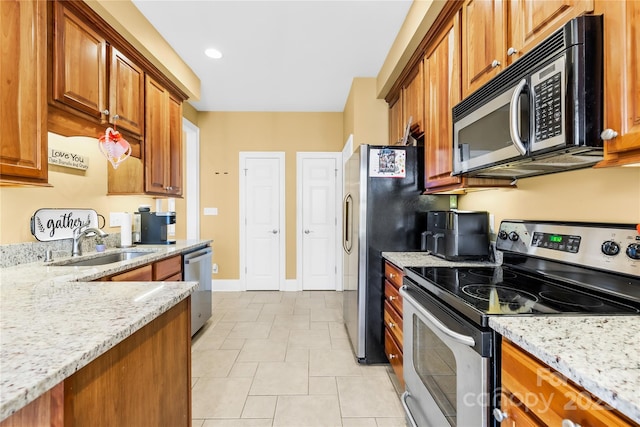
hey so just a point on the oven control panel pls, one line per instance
(613, 247)
(557, 242)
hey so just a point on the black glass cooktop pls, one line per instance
(482, 291)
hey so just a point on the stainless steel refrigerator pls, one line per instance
(383, 211)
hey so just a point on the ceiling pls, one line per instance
(295, 55)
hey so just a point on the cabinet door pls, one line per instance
(175, 147)
(483, 35)
(156, 137)
(413, 102)
(396, 129)
(142, 274)
(622, 80)
(530, 21)
(549, 396)
(23, 118)
(126, 94)
(442, 92)
(79, 65)
(163, 140)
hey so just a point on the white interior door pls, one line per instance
(262, 218)
(318, 220)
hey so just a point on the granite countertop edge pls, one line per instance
(595, 352)
(37, 354)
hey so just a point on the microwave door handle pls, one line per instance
(514, 110)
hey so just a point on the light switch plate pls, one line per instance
(211, 211)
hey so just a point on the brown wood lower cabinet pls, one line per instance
(533, 394)
(393, 338)
(143, 381)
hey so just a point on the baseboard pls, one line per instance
(226, 286)
(236, 286)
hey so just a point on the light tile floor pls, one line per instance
(284, 359)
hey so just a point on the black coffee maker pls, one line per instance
(152, 227)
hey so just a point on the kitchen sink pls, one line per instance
(101, 259)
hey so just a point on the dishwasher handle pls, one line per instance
(197, 257)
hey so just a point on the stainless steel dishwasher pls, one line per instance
(196, 267)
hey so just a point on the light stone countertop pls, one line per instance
(424, 259)
(600, 353)
(54, 320)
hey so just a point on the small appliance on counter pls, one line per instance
(151, 227)
(457, 235)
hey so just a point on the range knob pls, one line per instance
(610, 248)
(633, 251)
(502, 235)
(513, 236)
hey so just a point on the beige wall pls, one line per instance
(223, 135)
(606, 195)
(71, 188)
(365, 116)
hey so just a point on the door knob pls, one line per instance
(307, 231)
(274, 231)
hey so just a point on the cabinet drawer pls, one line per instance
(548, 395)
(394, 354)
(392, 296)
(142, 274)
(393, 322)
(393, 274)
(167, 267)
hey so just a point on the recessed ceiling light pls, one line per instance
(213, 53)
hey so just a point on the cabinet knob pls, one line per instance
(608, 134)
(116, 117)
(569, 423)
(391, 297)
(391, 324)
(392, 356)
(512, 51)
(105, 112)
(500, 416)
(168, 188)
(495, 63)
(392, 275)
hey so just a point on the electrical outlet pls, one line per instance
(214, 268)
(115, 219)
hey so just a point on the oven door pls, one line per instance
(446, 374)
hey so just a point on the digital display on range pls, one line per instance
(558, 242)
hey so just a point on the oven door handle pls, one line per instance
(462, 339)
(403, 400)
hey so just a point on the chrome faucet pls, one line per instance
(78, 234)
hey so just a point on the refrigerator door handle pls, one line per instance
(347, 216)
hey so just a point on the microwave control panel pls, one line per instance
(548, 107)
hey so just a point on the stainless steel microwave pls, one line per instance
(542, 114)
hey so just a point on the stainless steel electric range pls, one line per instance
(451, 356)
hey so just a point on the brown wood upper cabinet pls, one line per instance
(441, 66)
(93, 84)
(496, 33)
(622, 82)
(413, 102)
(23, 114)
(396, 129)
(163, 141)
